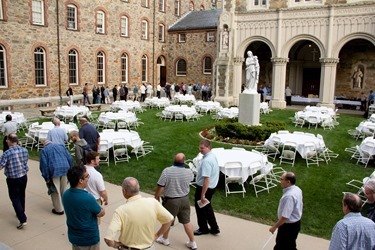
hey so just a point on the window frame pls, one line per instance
(76, 69)
(210, 36)
(126, 28)
(179, 71)
(145, 3)
(101, 67)
(75, 17)
(100, 22)
(144, 29)
(124, 70)
(161, 33)
(207, 70)
(3, 67)
(144, 68)
(181, 38)
(34, 13)
(177, 4)
(191, 6)
(161, 5)
(40, 51)
(1, 10)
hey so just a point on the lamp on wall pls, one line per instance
(163, 47)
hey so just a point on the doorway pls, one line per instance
(311, 81)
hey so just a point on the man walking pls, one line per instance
(207, 179)
(80, 147)
(353, 231)
(114, 93)
(133, 224)
(85, 93)
(8, 128)
(175, 183)
(57, 134)
(289, 213)
(89, 133)
(81, 211)
(55, 161)
(14, 162)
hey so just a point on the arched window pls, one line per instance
(100, 67)
(144, 68)
(73, 67)
(100, 22)
(40, 66)
(124, 26)
(191, 6)
(72, 17)
(124, 68)
(3, 68)
(207, 65)
(181, 67)
(144, 30)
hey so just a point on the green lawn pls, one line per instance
(322, 186)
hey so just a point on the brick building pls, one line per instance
(48, 45)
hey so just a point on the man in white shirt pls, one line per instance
(8, 128)
(149, 90)
(143, 92)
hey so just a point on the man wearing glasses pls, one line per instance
(81, 211)
(289, 213)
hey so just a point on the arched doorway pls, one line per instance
(161, 71)
(304, 69)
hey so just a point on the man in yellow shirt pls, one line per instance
(135, 221)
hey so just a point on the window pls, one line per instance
(126, 1)
(191, 6)
(144, 3)
(124, 26)
(144, 68)
(177, 7)
(100, 22)
(261, 3)
(161, 32)
(181, 37)
(124, 68)
(73, 67)
(144, 30)
(38, 12)
(3, 68)
(100, 67)
(207, 65)
(210, 37)
(40, 66)
(181, 68)
(1, 10)
(72, 17)
(161, 5)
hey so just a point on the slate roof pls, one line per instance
(197, 20)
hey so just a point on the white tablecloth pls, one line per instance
(123, 116)
(365, 125)
(128, 105)
(228, 112)
(72, 110)
(49, 125)
(185, 110)
(132, 138)
(245, 157)
(299, 139)
(306, 114)
(210, 105)
(159, 102)
(368, 144)
(185, 98)
(16, 116)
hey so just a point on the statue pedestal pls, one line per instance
(249, 111)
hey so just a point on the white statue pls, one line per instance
(252, 73)
(357, 76)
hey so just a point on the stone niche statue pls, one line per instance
(358, 78)
(252, 73)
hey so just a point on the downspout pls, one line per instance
(153, 48)
(58, 49)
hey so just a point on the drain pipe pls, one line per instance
(58, 49)
(153, 48)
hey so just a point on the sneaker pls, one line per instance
(199, 232)
(21, 225)
(163, 241)
(191, 244)
(58, 213)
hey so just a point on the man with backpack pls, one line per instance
(81, 148)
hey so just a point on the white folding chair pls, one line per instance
(104, 152)
(233, 174)
(289, 152)
(120, 150)
(258, 181)
(311, 154)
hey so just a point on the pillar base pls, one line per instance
(249, 111)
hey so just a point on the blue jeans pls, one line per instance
(16, 191)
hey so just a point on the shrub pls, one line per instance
(236, 130)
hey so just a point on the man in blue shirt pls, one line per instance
(14, 162)
(81, 211)
(289, 213)
(57, 134)
(55, 161)
(353, 231)
(89, 133)
(207, 179)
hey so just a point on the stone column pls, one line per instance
(278, 82)
(328, 81)
(237, 79)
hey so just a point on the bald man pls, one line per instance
(175, 183)
(57, 134)
(89, 133)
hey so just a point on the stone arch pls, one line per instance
(337, 48)
(243, 46)
(289, 44)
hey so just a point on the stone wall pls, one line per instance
(20, 38)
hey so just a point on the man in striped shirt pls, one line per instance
(175, 183)
(14, 162)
